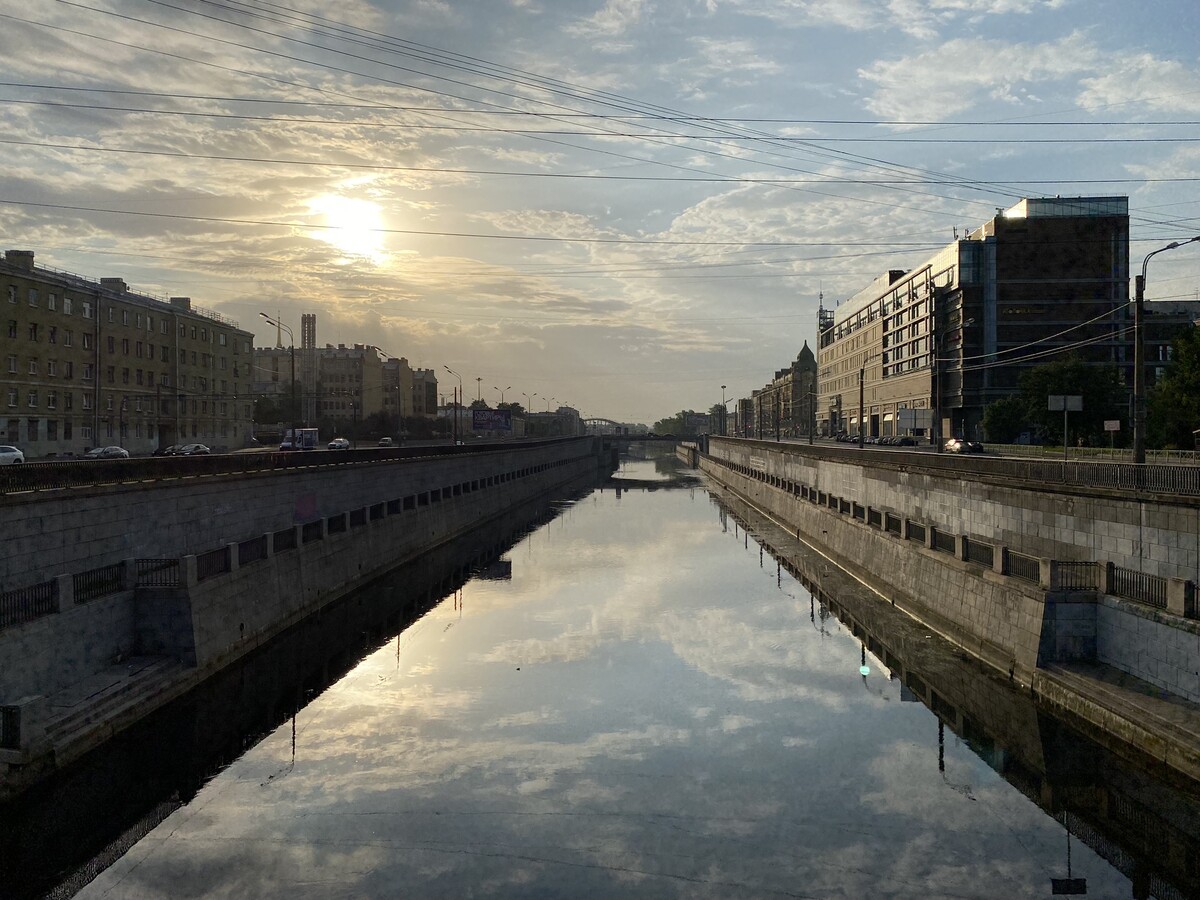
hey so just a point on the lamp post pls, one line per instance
(862, 372)
(479, 388)
(457, 401)
(292, 347)
(723, 411)
(1139, 354)
(502, 390)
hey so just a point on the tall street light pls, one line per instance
(479, 388)
(723, 410)
(292, 347)
(1139, 355)
(502, 390)
(457, 402)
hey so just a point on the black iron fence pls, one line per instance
(981, 553)
(252, 550)
(157, 572)
(1075, 576)
(28, 603)
(1019, 565)
(214, 562)
(1149, 589)
(943, 541)
(283, 540)
(98, 582)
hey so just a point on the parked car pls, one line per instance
(193, 450)
(107, 453)
(341, 444)
(10, 455)
(386, 442)
(905, 441)
(170, 450)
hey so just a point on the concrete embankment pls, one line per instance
(1126, 670)
(255, 555)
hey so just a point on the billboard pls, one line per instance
(491, 419)
(697, 422)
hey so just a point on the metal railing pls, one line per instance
(28, 603)
(283, 540)
(100, 582)
(157, 572)
(943, 542)
(980, 553)
(1148, 589)
(915, 532)
(1074, 576)
(312, 531)
(252, 550)
(1019, 565)
(214, 562)
(892, 523)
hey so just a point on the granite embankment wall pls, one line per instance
(1019, 574)
(245, 557)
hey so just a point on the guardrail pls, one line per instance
(28, 603)
(60, 474)
(97, 583)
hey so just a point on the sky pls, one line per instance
(630, 207)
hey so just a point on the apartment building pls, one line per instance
(92, 363)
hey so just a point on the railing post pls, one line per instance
(1046, 574)
(128, 574)
(999, 558)
(188, 577)
(930, 534)
(1181, 598)
(234, 557)
(960, 547)
(1104, 576)
(269, 537)
(64, 592)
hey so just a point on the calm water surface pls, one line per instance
(643, 709)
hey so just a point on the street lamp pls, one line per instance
(502, 390)
(723, 410)
(292, 347)
(1139, 354)
(479, 388)
(457, 401)
(862, 372)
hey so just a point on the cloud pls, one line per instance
(614, 19)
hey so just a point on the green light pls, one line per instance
(864, 671)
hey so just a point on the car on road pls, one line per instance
(107, 453)
(10, 455)
(193, 450)
(340, 444)
(386, 442)
(958, 445)
(171, 450)
(905, 441)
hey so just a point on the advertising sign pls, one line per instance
(491, 419)
(697, 422)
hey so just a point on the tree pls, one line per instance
(1174, 402)
(479, 404)
(1004, 420)
(1100, 386)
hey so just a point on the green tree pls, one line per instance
(1004, 420)
(1100, 386)
(1174, 403)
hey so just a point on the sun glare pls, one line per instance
(353, 226)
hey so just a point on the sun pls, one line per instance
(353, 226)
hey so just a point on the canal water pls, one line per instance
(636, 699)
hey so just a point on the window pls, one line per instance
(33, 366)
(33, 332)
(150, 323)
(88, 372)
(32, 400)
(111, 315)
(33, 298)
(12, 396)
(182, 330)
(193, 332)
(165, 353)
(87, 405)
(67, 430)
(67, 335)
(164, 326)
(12, 293)
(137, 350)
(87, 341)
(68, 369)
(31, 429)
(85, 432)
(68, 401)
(53, 336)
(52, 400)
(125, 346)
(137, 404)
(221, 340)
(124, 317)
(111, 374)
(52, 429)
(138, 377)
(109, 403)
(66, 306)
(124, 376)
(112, 345)
(52, 367)
(139, 320)
(12, 328)
(86, 307)
(52, 302)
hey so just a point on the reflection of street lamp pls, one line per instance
(1139, 355)
(292, 343)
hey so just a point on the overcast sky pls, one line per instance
(618, 205)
